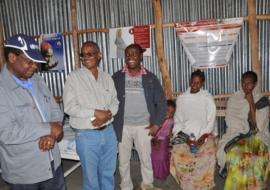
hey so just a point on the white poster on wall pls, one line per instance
(209, 43)
(120, 38)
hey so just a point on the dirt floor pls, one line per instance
(74, 180)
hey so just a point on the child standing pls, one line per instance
(160, 144)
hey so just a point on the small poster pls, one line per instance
(120, 38)
(209, 43)
(52, 49)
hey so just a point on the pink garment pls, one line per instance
(160, 156)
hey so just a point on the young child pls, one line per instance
(160, 144)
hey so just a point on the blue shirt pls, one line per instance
(28, 85)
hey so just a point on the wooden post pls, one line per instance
(1, 45)
(252, 26)
(75, 33)
(167, 85)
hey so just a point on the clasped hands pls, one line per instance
(47, 142)
(200, 141)
(101, 117)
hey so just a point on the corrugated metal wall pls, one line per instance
(263, 7)
(35, 17)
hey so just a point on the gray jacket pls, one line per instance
(20, 129)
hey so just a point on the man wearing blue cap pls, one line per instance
(30, 121)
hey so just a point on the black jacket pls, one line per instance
(154, 96)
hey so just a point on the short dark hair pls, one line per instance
(198, 73)
(171, 103)
(91, 43)
(136, 46)
(251, 74)
(8, 50)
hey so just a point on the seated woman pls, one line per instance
(243, 154)
(193, 161)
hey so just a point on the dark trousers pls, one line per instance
(55, 183)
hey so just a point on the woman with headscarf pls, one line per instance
(243, 151)
(193, 154)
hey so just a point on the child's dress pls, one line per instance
(160, 150)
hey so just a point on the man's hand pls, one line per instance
(102, 116)
(153, 129)
(46, 142)
(56, 130)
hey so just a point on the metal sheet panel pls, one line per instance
(35, 17)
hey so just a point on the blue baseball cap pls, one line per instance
(26, 44)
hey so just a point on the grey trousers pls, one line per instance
(55, 183)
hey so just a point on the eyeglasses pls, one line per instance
(89, 54)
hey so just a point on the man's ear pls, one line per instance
(12, 57)
(141, 57)
(100, 56)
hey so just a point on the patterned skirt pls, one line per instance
(247, 165)
(194, 171)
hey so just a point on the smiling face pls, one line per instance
(90, 56)
(196, 84)
(133, 58)
(21, 66)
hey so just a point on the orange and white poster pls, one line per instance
(209, 43)
(120, 38)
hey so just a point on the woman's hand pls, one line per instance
(250, 99)
(203, 139)
(252, 111)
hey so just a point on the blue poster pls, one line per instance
(52, 49)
